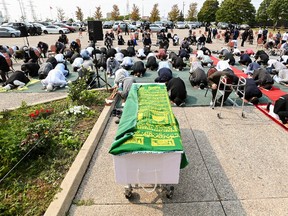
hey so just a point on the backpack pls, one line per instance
(44, 69)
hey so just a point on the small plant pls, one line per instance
(77, 110)
(40, 113)
(76, 88)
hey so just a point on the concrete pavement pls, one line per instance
(237, 167)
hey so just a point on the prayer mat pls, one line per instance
(273, 94)
(32, 81)
(263, 109)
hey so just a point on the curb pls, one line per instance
(69, 186)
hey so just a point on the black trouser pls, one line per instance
(3, 75)
(281, 109)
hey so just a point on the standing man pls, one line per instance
(244, 37)
(126, 29)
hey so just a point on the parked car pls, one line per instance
(108, 25)
(157, 28)
(33, 29)
(222, 25)
(62, 25)
(168, 24)
(244, 26)
(123, 25)
(18, 26)
(78, 26)
(180, 25)
(137, 24)
(9, 32)
(192, 25)
(43, 27)
(53, 29)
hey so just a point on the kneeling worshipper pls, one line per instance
(263, 78)
(138, 69)
(18, 79)
(197, 76)
(120, 74)
(152, 63)
(127, 63)
(164, 75)
(54, 79)
(177, 91)
(280, 109)
(252, 92)
(126, 86)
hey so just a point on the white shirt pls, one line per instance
(77, 62)
(284, 58)
(127, 61)
(163, 64)
(150, 54)
(222, 65)
(55, 77)
(285, 36)
(141, 53)
(119, 57)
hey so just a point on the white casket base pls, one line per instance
(147, 168)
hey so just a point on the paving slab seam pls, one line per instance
(210, 176)
(69, 186)
(166, 203)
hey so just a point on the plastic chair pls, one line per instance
(260, 43)
(52, 51)
(78, 42)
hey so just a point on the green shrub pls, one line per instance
(52, 139)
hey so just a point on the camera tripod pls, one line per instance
(96, 81)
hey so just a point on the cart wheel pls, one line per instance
(170, 193)
(128, 196)
(128, 192)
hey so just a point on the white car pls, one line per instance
(43, 27)
(181, 25)
(53, 29)
(157, 28)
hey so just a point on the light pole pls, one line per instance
(183, 10)
(142, 9)
(24, 18)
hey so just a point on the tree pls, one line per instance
(192, 12)
(262, 15)
(235, 11)
(115, 13)
(135, 14)
(155, 14)
(208, 11)
(278, 11)
(90, 18)
(98, 13)
(174, 13)
(79, 14)
(60, 14)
